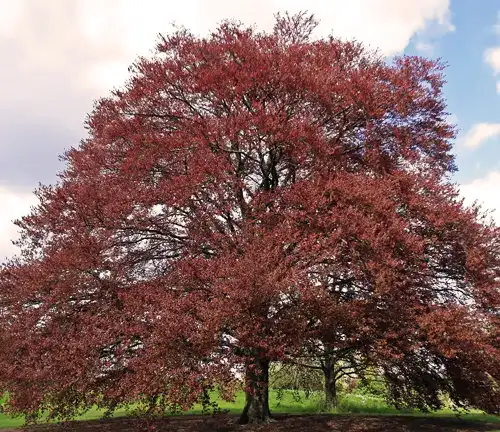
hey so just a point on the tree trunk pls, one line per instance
(330, 387)
(256, 408)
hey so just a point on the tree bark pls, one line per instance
(256, 408)
(330, 387)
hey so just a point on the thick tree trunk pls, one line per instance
(257, 394)
(330, 387)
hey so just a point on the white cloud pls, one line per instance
(492, 57)
(133, 25)
(385, 24)
(14, 206)
(62, 54)
(480, 133)
(427, 39)
(90, 42)
(485, 191)
(10, 13)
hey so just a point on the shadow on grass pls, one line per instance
(351, 405)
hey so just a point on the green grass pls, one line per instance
(349, 404)
(286, 405)
(360, 404)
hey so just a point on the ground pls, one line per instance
(288, 423)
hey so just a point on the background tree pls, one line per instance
(243, 195)
(323, 370)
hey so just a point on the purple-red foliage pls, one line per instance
(243, 195)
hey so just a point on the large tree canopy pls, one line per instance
(245, 198)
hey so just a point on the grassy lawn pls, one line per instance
(350, 404)
(357, 404)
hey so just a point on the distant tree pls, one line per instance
(326, 367)
(299, 381)
(243, 196)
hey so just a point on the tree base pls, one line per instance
(256, 410)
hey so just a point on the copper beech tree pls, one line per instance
(247, 198)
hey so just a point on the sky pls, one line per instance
(58, 56)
